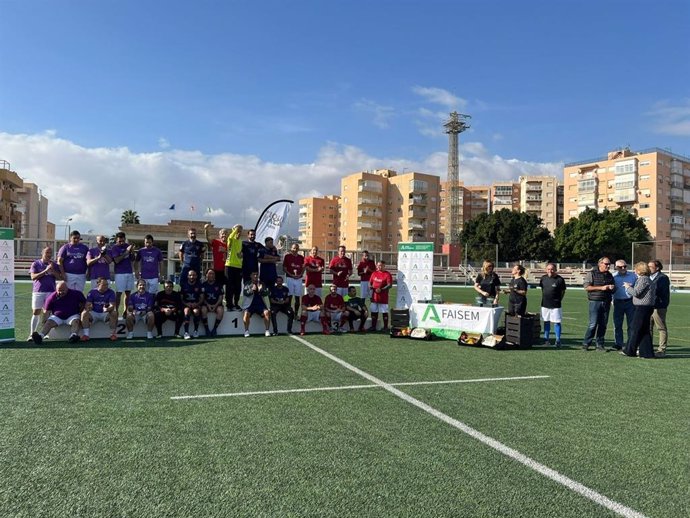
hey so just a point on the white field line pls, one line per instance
(552, 474)
(352, 387)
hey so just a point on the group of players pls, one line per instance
(244, 275)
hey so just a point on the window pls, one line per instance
(644, 205)
(645, 163)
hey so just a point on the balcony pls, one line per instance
(373, 201)
(369, 214)
(534, 197)
(533, 187)
(414, 225)
(10, 196)
(417, 199)
(369, 186)
(367, 225)
(418, 213)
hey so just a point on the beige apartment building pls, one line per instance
(539, 195)
(381, 208)
(319, 222)
(653, 184)
(10, 185)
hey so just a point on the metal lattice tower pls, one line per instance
(454, 126)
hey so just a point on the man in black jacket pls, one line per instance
(599, 286)
(663, 296)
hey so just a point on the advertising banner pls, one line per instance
(7, 285)
(272, 220)
(415, 279)
(449, 320)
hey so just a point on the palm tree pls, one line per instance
(129, 217)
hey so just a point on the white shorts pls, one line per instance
(124, 282)
(38, 299)
(68, 321)
(100, 317)
(364, 289)
(336, 316)
(341, 291)
(376, 307)
(294, 286)
(152, 285)
(75, 281)
(554, 315)
(140, 316)
(313, 316)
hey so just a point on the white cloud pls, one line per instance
(672, 119)
(440, 96)
(163, 143)
(381, 114)
(94, 186)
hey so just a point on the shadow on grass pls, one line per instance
(107, 344)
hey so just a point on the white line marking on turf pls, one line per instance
(353, 387)
(552, 474)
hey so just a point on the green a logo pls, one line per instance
(431, 314)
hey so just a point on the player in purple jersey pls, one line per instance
(192, 299)
(149, 262)
(140, 308)
(100, 307)
(44, 272)
(123, 253)
(213, 302)
(98, 260)
(72, 260)
(62, 307)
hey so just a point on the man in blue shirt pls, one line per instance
(622, 302)
(191, 254)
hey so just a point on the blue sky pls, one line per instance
(241, 101)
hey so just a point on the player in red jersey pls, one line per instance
(334, 309)
(293, 266)
(341, 268)
(365, 268)
(380, 283)
(311, 309)
(314, 266)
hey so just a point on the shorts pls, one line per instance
(336, 315)
(152, 285)
(38, 299)
(294, 286)
(99, 317)
(554, 315)
(375, 307)
(313, 316)
(75, 281)
(67, 321)
(364, 289)
(124, 282)
(140, 316)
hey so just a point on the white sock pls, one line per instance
(35, 321)
(87, 330)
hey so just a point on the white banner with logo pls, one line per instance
(7, 285)
(272, 220)
(449, 320)
(415, 279)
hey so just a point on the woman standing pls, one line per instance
(517, 288)
(487, 284)
(643, 294)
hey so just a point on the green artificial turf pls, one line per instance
(93, 431)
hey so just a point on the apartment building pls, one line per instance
(319, 222)
(10, 184)
(381, 208)
(474, 200)
(505, 195)
(653, 184)
(539, 195)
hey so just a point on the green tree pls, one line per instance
(519, 236)
(594, 234)
(130, 217)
